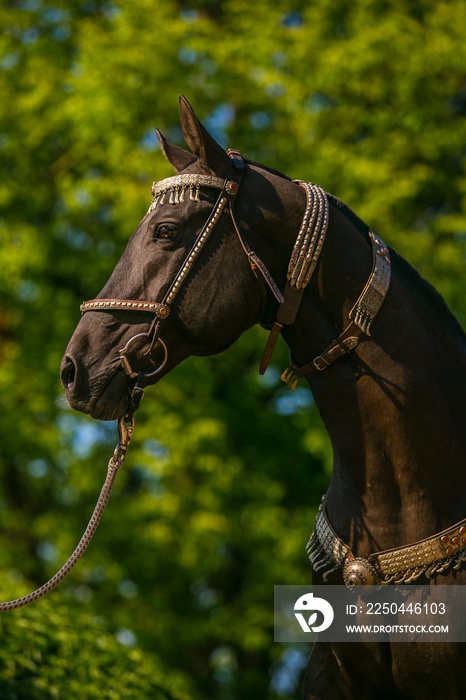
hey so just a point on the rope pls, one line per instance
(115, 462)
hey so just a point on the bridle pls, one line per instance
(176, 188)
(302, 264)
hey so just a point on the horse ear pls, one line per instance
(210, 154)
(178, 157)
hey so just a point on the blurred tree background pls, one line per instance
(215, 502)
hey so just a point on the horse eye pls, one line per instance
(166, 231)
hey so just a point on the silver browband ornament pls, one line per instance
(179, 184)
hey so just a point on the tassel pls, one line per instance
(310, 545)
(290, 377)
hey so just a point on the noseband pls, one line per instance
(303, 261)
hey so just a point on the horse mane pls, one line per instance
(434, 298)
(408, 272)
(273, 171)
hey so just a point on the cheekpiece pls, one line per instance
(176, 187)
(430, 556)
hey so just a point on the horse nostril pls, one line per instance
(68, 373)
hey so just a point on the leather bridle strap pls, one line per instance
(149, 307)
(254, 260)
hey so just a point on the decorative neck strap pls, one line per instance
(303, 261)
(432, 555)
(311, 236)
(373, 295)
(362, 316)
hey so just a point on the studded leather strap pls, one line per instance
(362, 316)
(151, 307)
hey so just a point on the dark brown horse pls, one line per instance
(210, 260)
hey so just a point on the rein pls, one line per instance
(125, 432)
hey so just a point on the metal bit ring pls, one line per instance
(127, 365)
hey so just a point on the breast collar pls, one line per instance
(432, 555)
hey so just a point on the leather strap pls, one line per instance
(254, 260)
(236, 158)
(151, 307)
(342, 345)
(286, 315)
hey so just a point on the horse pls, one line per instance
(229, 243)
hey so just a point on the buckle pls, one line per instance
(319, 363)
(237, 158)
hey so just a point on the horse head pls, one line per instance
(192, 278)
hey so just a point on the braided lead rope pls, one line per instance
(115, 462)
(311, 236)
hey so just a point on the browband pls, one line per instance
(179, 184)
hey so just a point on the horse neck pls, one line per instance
(393, 408)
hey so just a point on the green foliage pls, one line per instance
(54, 651)
(217, 497)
